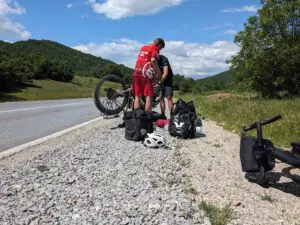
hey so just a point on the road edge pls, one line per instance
(19, 148)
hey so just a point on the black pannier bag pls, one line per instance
(137, 124)
(248, 160)
(251, 152)
(182, 122)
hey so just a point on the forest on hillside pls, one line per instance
(23, 61)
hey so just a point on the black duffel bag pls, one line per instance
(182, 122)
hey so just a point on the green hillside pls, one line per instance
(79, 87)
(219, 81)
(42, 69)
(82, 63)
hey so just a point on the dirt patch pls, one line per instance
(220, 96)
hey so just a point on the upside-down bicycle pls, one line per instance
(258, 154)
(112, 95)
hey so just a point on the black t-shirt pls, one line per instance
(163, 61)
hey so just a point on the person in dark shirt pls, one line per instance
(166, 83)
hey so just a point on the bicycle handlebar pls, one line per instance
(262, 122)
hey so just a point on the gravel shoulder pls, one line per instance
(93, 175)
(215, 173)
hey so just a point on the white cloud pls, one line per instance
(10, 7)
(69, 6)
(247, 8)
(231, 32)
(189, 59)
(116, 9)
(9, 28)
(217, 26)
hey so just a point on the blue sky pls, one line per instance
(199, 34)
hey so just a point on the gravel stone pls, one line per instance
(95, 176)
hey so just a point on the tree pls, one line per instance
(13, 72)
(269, 56)
(60, 71)
(197, 88)
(186, 85)
(111, 69)
(177, 80)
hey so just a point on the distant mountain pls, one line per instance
(219, 81)
(82, 63)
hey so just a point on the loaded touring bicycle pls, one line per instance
(257, 154)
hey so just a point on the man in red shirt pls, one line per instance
(146, 70)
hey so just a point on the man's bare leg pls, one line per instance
(148, 105)
(162, 106)
(137, 102)
(170, 104)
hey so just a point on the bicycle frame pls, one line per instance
(142, 100)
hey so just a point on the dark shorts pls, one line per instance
(167, 91)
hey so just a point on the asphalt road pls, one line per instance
(21, 122)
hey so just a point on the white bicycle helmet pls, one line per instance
(148, 71)
(153, 140)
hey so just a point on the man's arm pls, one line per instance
(165, 74)
(156, 67)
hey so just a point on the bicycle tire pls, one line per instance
(97, 98)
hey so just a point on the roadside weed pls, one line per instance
(217, 216)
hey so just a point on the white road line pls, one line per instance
(42, 107)
(20, 148)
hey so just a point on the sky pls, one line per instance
(199, 34)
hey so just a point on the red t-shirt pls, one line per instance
(145, 55)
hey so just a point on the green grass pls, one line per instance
(216, 215)
(234, 110)
(80, 87)
(268, 198)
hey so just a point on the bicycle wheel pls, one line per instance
(110, 95)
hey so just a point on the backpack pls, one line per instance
(137, 124)
(182, 122)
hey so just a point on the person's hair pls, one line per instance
(159, 41)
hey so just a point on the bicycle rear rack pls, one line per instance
(286, 156)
